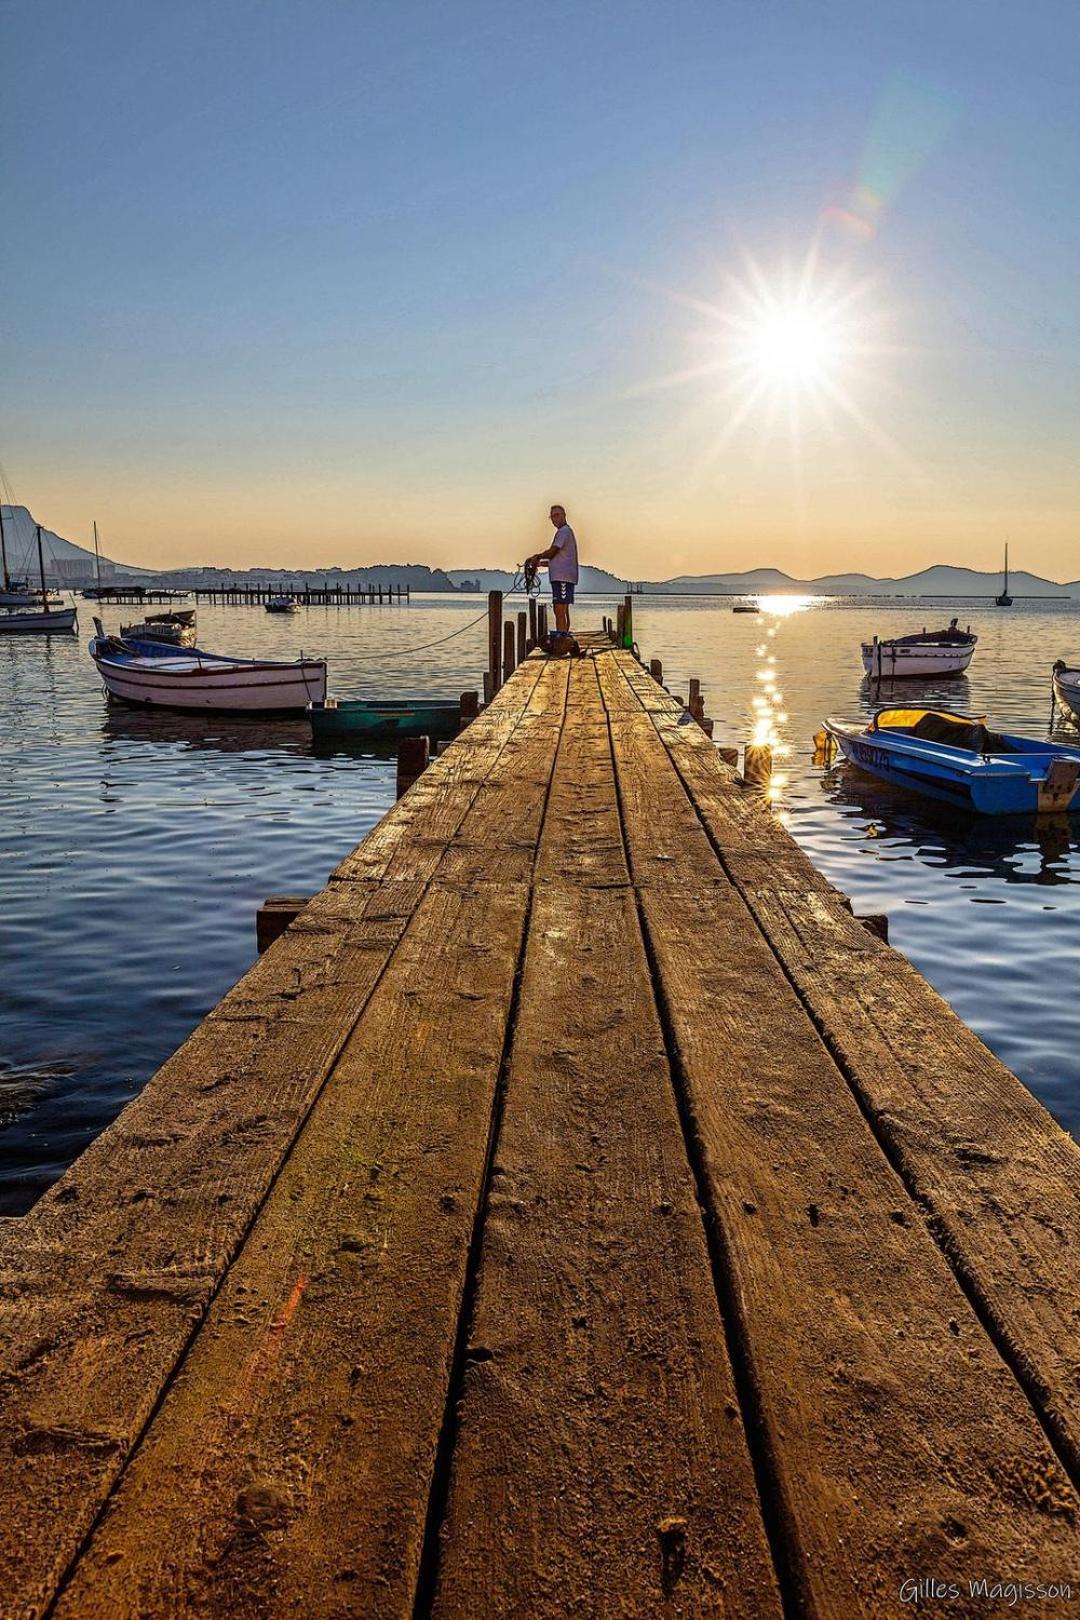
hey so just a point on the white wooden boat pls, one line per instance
(282, 604)
(1067, 690)
(168, 678)
(38, 622)
(927, 653)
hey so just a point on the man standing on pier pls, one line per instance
(562, 567)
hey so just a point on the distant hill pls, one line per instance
(65, 562)
(501, 579)
(939, 580)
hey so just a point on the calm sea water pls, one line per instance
(134, 848)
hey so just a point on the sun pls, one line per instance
(794, 346)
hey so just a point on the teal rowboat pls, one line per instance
(384, 718)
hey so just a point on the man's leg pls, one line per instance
(562, 616)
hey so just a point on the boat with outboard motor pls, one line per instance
(282, 604)
(927, 652)
(1067, 689)
(153, 673)
(954, 758)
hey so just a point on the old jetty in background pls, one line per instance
(575, 1210)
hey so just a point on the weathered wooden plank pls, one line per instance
(107, 1278)
(997, 1175)
(869, 1367)
(288, 1468)
(408, 840)
(601, 1465)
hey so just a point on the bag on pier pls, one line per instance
(561, 644)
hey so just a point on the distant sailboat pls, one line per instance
(38, 619)
(1005, 600)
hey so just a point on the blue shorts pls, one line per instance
(562, 591)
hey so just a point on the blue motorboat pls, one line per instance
(954, 758)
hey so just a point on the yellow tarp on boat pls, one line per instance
(908, 719)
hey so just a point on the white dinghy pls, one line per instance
(169, 678)
(927, 653)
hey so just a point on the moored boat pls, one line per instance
(1004, 599)
(38, 617)
(746, 607)
(282, 604)
(927, 652)
(177, 628)
(170, 678)
(1067, 689)
(954, 758)
(382, 718)
(38, 622)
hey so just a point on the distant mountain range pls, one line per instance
(67, 563)
(940, 580)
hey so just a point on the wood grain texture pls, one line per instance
(105, 1281)
(897, 1439)
(996, 1175)
(600, 1465)
(289, 1467)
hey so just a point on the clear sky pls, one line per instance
(790, 282)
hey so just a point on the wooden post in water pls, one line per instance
(495, 601)
(532, 621)
(620, 625)
(541, 622)
(468, 708)
(412, 760)
(730, 756)
(628, 622)
(522, 637)
(656, 670)
(488, 690)
(509, 663)
(757, 765)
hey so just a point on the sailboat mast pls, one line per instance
(3, 550)
(1006, 591)
(41, 570)
(97, 558)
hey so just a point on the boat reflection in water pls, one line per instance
(223, 734)
(1016, 850)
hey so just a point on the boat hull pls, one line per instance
(220, 686)
(384, 720)
(1067, 693)
(1034, 782)
(888, 661)
(60, 621)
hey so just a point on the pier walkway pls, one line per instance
(575, 1212)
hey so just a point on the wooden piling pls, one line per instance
(495, 605)
(274, 916)
(757, 765)
(541, 622)
(656, 670)
(468, 708)
(522, 636)
(532, 621)
(412, 761)
(509, 663)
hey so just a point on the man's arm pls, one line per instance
(543, 556)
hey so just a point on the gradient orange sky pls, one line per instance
(303, 286)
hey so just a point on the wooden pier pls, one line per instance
(576, 1211)
(254, 595)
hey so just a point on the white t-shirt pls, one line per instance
(564, 565)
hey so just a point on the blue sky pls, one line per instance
(338, 282)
